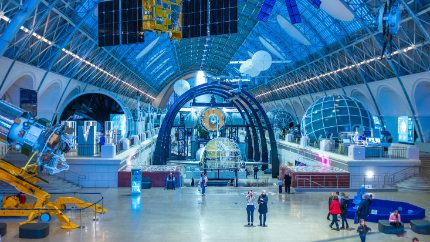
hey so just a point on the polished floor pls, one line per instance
(185, 215)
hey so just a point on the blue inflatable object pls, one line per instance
(385, 207)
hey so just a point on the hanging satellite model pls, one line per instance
(260, 61)
(389, 23)
(122, 22)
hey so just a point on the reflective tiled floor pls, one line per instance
(184, 215)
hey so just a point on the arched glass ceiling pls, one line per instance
(61, 37)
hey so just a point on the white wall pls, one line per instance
(49, 94)
(389, 98)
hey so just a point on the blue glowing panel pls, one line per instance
(373, 141)
(266, 9)
(315, 3)
(406, 129)
(293, 11)
(120, 123)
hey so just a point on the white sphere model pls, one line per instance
(261, 60)
(181, 87)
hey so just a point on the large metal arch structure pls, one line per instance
(163, 139)
(124, 107)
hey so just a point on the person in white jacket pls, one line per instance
(203, 181)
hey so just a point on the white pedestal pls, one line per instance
(125, 144)
(325, 145)
(356, 152)
(135, 139)
(304, 141)
(108, 151)
(289, 138)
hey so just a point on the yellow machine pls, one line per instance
(163, 16)
(24, 180)
(31, 136)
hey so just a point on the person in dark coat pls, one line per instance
(262, 208)
(329, 203)
(255, 171)
(363, 208)
(192, 181)
(344, 210)
(287, 181)
(369, 201)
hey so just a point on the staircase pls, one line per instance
(419, 182)
(56, 184)
(61, 182)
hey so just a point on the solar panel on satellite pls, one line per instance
(293, 11)
(196, 13)
(266, 9)
(120, 22)
(315, 3)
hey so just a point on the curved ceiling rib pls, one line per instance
(340, 54)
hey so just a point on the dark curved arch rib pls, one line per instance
(163, 140)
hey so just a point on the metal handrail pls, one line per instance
(400, 175)
(310, 181)
(69, 176)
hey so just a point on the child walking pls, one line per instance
(280, 183)
(363, 230)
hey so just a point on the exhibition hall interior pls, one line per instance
(214, 120)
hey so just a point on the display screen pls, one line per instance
(346, 141)
(135, 172)
(356, 138)
(406, 129)
(119, 124)
(373, 141)
(28, 100)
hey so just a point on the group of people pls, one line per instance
(171, 182)
(262, 208)
(338, 204)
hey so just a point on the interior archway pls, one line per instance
(299, 110)
(357, 94)
(48, 101)
(12, 94)
(422, 99)
(71, 94)
(392, 106)
(289, 108)
(306, 103)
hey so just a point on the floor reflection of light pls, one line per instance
(135, 204)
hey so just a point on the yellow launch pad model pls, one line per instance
(24, 180)
(163, 16)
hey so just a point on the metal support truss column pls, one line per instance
(417, 124)
(16, 23)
